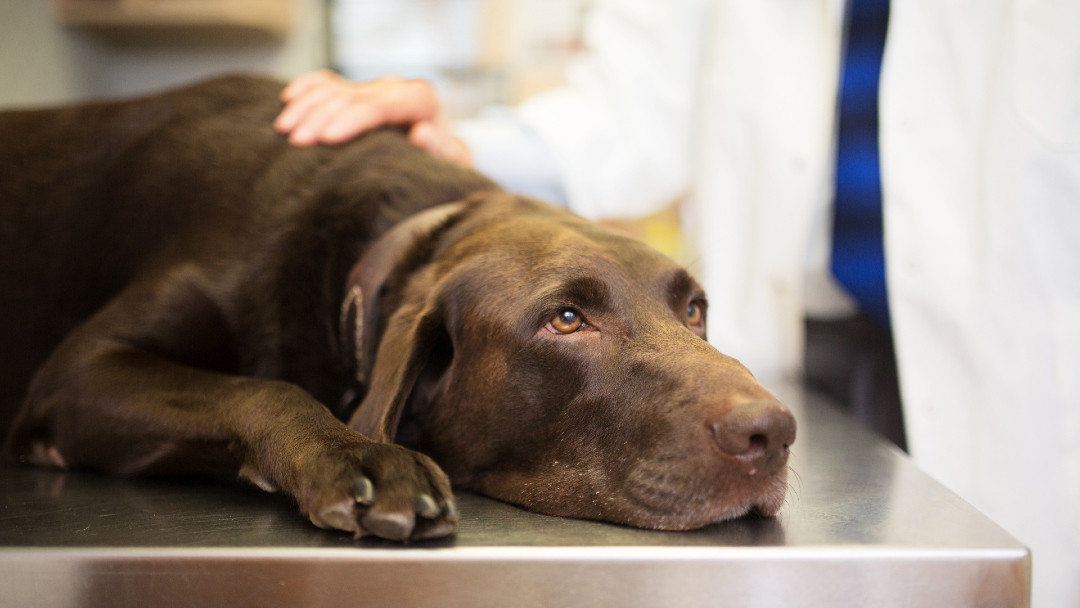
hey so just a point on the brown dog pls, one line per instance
(189, 293)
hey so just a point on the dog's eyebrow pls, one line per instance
(583, 291)
(681, 286)
(587, 292)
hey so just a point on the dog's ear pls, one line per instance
(402, 355)
(392, 317)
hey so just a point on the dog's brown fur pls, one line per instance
(185, 292)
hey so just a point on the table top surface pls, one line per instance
(853, 497)
(848, 489)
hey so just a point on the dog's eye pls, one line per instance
(695, 314)
(566, 321)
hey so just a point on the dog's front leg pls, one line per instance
(104, 405)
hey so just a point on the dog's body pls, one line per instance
(188, 293)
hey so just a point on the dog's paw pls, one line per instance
(379, 489)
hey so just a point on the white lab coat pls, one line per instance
(981, 167)
(730, 104)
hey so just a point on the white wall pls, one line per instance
(43, 61)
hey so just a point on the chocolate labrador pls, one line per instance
(359, 327)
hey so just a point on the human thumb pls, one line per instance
(439, 141)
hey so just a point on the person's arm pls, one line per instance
(324, 108)
(506, 149)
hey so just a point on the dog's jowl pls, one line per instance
(361, 327)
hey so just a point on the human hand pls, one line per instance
(324, 108)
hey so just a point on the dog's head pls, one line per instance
(551, 363)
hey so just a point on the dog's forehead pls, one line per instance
(536, 248)
(565, 241)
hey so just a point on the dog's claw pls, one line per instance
(364, 491)
(340, 518)
(451, 512)
(391, 526)
(426, 530)
(426, 507)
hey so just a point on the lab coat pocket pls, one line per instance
(1046, 57)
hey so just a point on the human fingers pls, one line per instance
(323, 107)
(385, 101)
(360, 107)
(352, 120)
(310, 101)
(328, 108)
(304, 82)
(397, 102)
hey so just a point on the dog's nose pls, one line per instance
(757, 433)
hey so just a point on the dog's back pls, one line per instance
(91, 192)
(93, 195)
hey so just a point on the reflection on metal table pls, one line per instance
(862, 526)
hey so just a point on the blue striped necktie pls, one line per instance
(858, 255)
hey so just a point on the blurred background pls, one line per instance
(479, 53)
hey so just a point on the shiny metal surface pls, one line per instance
(862, 527)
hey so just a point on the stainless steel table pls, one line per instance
(862, 527)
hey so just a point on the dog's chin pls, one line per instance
(708, 508)
(670, 509)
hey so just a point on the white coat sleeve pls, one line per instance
(508, 151)
(617, 137)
